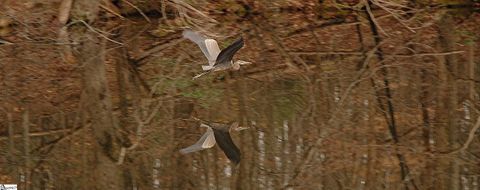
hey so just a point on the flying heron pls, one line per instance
(217, 60)
(220, 134)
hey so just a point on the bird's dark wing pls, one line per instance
(225, 142)
(227, 53)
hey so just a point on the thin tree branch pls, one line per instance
(37, 134)
(139, 10)
(471, 136)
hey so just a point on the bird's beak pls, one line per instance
(245, 63)
(240, 128)
(235, 126)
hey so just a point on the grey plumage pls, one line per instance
(206, 141)
(208, 46)
(220, 134)
(217, 60)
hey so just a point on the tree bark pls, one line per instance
(242, 180)
(90, 55)
(471, 72)
(447, 41)
(386, 104)
(11, 142)
(26, 149)
(183, 178)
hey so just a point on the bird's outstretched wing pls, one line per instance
(208, 46)
(227, 53)
(213, 50)
(206, 141)
(225, 142)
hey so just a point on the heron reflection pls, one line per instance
(218, 134)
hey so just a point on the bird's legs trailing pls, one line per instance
(201, 74)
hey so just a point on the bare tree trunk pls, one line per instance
(426, 132)
(441, 133)
(270, 144)
(447, 41)
(183, 178)
(205, 159)
(90, 55)
(99, 105)
(156, 174)
(471, 72)
(370, 176)
(26, 146)
(11, 144)
(216, 171)
(122, 75)
(386, 104)
(242, 174)
(124, 81)
(84, 152)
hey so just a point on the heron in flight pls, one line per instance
(217, 60)
(220, 134)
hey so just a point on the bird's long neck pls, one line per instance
(235, 65)
(219, 126)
